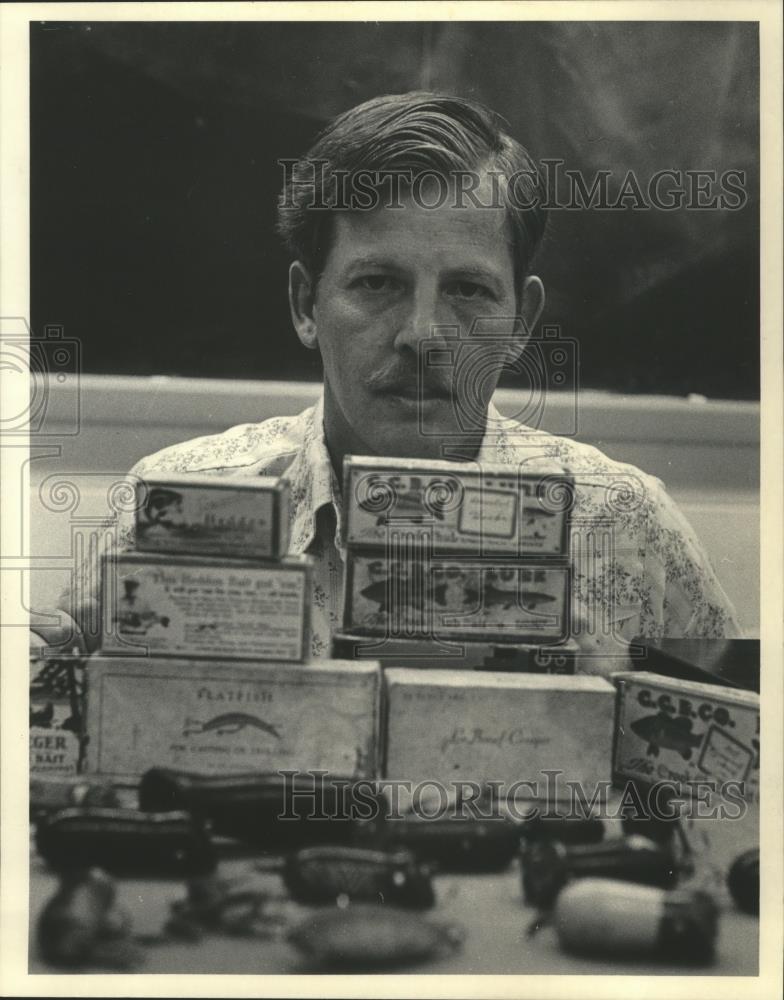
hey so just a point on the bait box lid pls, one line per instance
(198, 514)
(685, 732)
(222, 717)
(457, 507)
(457, 725)
(176, 605)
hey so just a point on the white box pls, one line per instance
(222, 717)
(211, 515)
(457, 505)
(445, 726)
(164, 605)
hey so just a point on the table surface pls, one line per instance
(490, 909)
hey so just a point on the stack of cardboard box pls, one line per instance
(450, 564)
(204, 638)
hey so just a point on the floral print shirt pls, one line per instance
(638, 569)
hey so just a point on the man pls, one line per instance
(413, 222)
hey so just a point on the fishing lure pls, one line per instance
(549, 865)
(48, 795)
(451, 843)
(743, 881)
(365, 936)
(564, 829)
(262, 809)
(125, 841)
(598, 916)
(220, 906)
(355, 874)
(81, 926)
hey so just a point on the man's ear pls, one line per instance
(301, 303)
(531, 302)
(531, 306)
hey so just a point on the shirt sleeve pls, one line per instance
(685, 598)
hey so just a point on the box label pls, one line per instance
(209, 520)
(507, 729)
(464, 511)
(687, 732)
(56, 717)
(198, 610)
(458, 598)
(217, 718)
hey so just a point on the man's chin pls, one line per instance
(408, 429)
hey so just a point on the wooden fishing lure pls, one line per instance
(365, 935)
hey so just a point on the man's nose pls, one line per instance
(427, 320)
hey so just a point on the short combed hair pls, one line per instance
(419, 132)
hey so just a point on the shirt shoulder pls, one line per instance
(266, 448)
(584, 462)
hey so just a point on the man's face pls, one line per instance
(392, 276)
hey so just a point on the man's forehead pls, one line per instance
(422, 225)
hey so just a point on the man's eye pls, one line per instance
(377, 283)
(467, 290)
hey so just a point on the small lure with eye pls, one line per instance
(606, 917)
(367, 936)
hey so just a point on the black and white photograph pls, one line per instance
(393, 480)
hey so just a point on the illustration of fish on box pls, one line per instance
(686, 731)
(219, 716)
(456, 598)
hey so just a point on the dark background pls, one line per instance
(154, 179)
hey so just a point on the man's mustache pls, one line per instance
(404, 380)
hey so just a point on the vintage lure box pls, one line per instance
(686, 732)
(459, 598)
(427, 654)
(458, 507)
(183, 606)
(209, 515)
(219, 717)
(56, 714)
(445, 726)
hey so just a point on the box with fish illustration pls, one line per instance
(445, 725)
(456, 507)
(185, 606)
(56, 714)
(209, 515)
(427, 654)
(221, 716)
(458, 598)
(686, 732)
